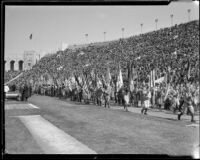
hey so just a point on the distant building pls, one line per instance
(17, 62)
(14, 62)
(29, 59)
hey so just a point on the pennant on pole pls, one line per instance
(99, 83)
(108, 76)
(119, 80)
(188, 70)
(31, 36)
(132, 75)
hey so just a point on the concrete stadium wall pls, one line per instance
(27, 60)
(7, 63)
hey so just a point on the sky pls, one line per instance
(51, 26)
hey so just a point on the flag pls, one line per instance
(81, 53)
(132, 75)
(108, 76)
(152, 78)
(131, 85)
(59, 82)
(137, 58)
(188, 76)
(188, 69)
(87, 65)
(92, 74)
(160, 80)
(119, 80)
(31, 36)
(99, 83)
(167, 91)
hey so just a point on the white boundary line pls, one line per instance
(33, 106)
(192, 125)
(51, 139)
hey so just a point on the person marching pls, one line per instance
(25, 92)
(126, 99)
(146, 97)
(187, 106)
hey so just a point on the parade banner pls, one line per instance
(93, 74)
(119, 80)
(152, 78)
(99, 83)
(134, 73)
(160, 80)
(108, 76)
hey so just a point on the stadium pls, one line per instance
(149, 79)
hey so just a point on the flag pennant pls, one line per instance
(132, 75)
(31, 36)
(99, 83)
(119, 80)
(92, 74)
(189, 70)
(108, 76)
(152, 78)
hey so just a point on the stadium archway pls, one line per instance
(20, 64)
(12, 65)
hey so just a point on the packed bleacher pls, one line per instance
(171, 52)
(8, 75)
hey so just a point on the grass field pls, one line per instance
(104, 130)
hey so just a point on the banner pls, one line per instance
(160, 80)
(108, 76)
(119, 80)
(99, 83)
(132, 75)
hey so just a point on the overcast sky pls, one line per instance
(52, 25)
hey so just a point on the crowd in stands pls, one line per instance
(170, 51)
(8, 75)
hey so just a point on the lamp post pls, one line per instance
(171, 19)
(189, 10)
(156, 20)
(123, 32)
(141, 27)
(104, 36)
(86, 37)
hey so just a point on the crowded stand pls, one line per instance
(8, 75)
(159, 69)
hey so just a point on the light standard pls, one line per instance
(86, 37)
(141, 27)
(104, 36)
(123, 32)
(171, 19)
(156, 20)
(189, 10)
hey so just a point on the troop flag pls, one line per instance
(119, 80)
(160, 80)
(108, 76)
(132, 75)
(93, 74)
(188, 69)
(99, 83)
(152, 78)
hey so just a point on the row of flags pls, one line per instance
(84, 82)
(99, 81)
